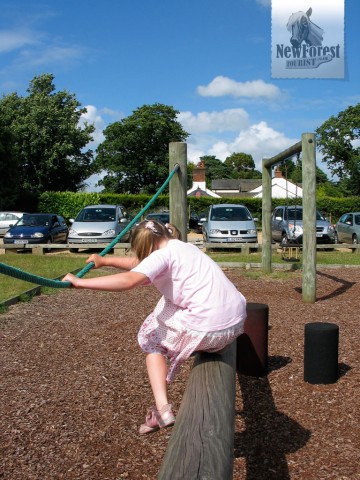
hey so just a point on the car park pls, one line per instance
(348, 228)
(229, 223)
(287, 226)
(37, 228)
(7, 220)
(98, 224)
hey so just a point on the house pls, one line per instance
(198, 188)
(281, 187)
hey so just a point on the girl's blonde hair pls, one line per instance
(147, 236)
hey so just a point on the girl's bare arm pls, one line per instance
(123, 263)
(111, 283)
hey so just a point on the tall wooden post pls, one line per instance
(266, 219)
(178, 187)
(309, 217)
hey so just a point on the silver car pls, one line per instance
(98, 224)
(287, 226)
(7, 220)
(229, 223)
(348, 228)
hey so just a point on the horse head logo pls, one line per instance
(303, 29)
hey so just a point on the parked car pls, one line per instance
(37, 228)
(348, 228)
(287, 226)
(163, 217)
(229, 223)
(98, 224)
(7, 220)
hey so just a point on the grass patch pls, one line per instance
(44, 266)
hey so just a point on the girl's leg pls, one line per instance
(157, 371)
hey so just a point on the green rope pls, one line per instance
(47, 282)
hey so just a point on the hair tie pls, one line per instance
(150, 225)
(169, 227)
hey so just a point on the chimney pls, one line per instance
(278, 173)
(199, 172)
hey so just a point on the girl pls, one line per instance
(200, 310)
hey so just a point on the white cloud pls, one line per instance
(13, 40)
(221, 86)
(92, 116)
(258, 140)
(226, 120)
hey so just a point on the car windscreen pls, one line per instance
(294, 214)
(107, 214)
(34, 221)
(235, 214)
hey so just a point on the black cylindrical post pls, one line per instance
(252, 345)
(321, 353)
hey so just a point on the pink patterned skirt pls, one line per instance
(162, 332)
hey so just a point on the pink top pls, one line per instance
(194, 282)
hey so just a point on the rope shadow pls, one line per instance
(337, 292)
(269, 434)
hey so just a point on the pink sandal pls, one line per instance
(155, 419)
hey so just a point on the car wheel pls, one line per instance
(355, 240)
(49, 242)
(73, 250)
(336, 238)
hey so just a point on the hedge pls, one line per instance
(68, 204)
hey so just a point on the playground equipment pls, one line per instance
(308, 148)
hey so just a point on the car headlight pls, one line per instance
(331, 228)
(37, 235)
(252, 232)
(8, 235)
(214, 231)
(73, 232)
(108, 233)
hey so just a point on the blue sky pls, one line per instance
(208, 59)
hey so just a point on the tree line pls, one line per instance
(44, 147)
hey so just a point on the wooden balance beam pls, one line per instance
(202, 441)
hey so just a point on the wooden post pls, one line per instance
(309, 217)
(252, 345)
(202, 442)
(178, 187)
(266, 220)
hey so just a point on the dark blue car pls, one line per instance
(38, 228)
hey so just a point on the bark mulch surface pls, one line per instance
(74, 388)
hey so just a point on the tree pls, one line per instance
(215, 169)
(135, 152)
(47, 139)
(9, 165)
(242, 165)
(336, 139)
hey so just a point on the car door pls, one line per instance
(277, 224)
(58, 230)
(345, 228)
